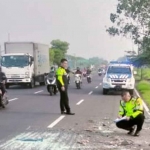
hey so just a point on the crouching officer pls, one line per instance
(132, 108)
(62, 84)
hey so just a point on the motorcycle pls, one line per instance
(78, 81)
(51, 85)
(88, 78)
(3, 99)
(84, 73)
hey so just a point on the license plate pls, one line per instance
(118, 86)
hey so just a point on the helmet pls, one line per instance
(78, 68)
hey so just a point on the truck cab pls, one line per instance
(118, 77)
(18, 68)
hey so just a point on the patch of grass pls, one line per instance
(142, 74)
(144, 88)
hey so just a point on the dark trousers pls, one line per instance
(3, 89)
(127, 125)
(64, 100)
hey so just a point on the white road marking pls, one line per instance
(90, 92)
(38, 92)
(14, 99)
(96, 87)
(56, 121)
(28, 128)
(100, 84)
(80, 102)
(144, 104)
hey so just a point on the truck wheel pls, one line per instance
(42, 83)
(32, 83)
(7, 86)
(105, 91)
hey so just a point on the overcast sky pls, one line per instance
(79, 22)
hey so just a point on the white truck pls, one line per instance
(25, 63)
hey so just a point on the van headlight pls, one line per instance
(129, 80)
(106, 80)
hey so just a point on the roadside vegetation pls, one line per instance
(143, 83)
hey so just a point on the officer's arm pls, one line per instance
(121, 110)
(60, 77)
(3, 77)
(138, 109)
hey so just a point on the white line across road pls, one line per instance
(96, 87)
(90, 92)
(80, 102)
(144, 104)
(14, 99)
(38, 92)
(56, 121)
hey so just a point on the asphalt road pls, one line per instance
(32, 119)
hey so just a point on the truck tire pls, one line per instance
(105, 91)
(42, 83)
(7, 86)
(32, 83)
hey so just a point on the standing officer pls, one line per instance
(62, 84)
(132, 108)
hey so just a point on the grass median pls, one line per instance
(144, 88)
(142, 74)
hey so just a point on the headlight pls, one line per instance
(129, 80)
(106, 80)
(26, 73)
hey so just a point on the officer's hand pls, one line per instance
(128, 118)
(63, 88)
(119, 117)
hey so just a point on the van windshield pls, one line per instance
(119, 70)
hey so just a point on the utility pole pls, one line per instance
(75, 63)
(8, 37)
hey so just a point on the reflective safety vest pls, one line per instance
(61, 77)
(132, 108)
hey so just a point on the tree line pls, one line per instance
(132, 19)
(59, 49)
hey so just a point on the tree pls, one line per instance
(61, 45)
(132, 19)
(58, 51)
(51, 56)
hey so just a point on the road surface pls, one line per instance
(32, 120)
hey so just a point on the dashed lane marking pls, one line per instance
(38, 92)
(96, 87)
(80, 102)
(56, 121)
(100, 84)
(14, 99)
(90, 92)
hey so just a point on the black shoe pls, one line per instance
(137, 133)
(63, 112)
(132, 130)
(69, 113)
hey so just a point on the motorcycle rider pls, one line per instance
(78, 71)
(3, 81)
(88, 72)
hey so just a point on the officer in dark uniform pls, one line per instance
(62, 84)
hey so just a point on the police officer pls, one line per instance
(2, 87)
(132, 108)
(62, 85)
